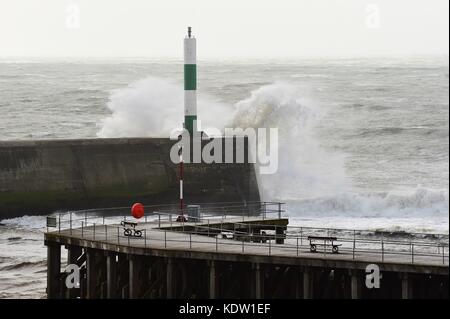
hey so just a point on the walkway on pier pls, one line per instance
(158, 236)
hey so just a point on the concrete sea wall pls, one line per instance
(39, 177)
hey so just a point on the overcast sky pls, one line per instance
(224, 29)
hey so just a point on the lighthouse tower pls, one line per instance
(190, 82)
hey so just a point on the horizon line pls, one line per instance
(230, 58)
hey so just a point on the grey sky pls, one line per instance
(225, 29)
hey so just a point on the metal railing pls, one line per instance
(208, 228)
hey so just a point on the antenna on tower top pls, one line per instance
(189, 32)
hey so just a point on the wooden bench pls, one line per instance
(129, 229)
(313, 245)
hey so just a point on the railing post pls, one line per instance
(354, 243)
(103, 219)
(145, 238)
(217, 245)
(85, 217)
(70, 223)
(262, 210)
(382, 250)
(118, 236)
(279, 210)
(59, 223)
(297, 246)
(190, 240)
(106, 232)
(159, 220)
(412, 253)
(301, 236)
(270, 248)
(443, 254)
(82, 229)
(242, 245)
(265, 210)
(94, 231)
(276, 234)
(165, 238)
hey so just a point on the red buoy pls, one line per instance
(137, 210)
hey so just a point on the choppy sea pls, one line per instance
(363, 143)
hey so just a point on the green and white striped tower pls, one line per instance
(190, 82)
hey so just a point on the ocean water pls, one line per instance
(362, 143)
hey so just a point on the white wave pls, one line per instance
(26, 222)
(389, 224)
(305, 167)
(153, 107)
(418, 202)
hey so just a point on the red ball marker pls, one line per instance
(137, 210)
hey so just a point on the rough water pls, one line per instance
(362, 143)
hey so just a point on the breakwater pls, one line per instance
(39, 177)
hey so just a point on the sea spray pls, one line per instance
(153, 107)
(306, 169)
